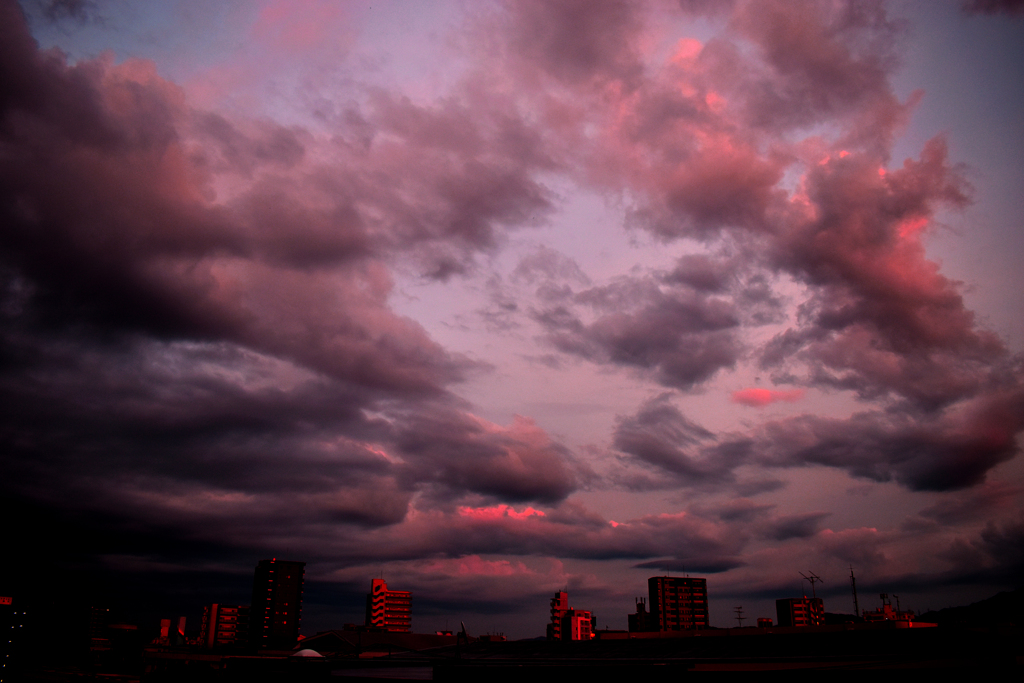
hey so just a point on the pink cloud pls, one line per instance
(499, 511)
(759, 398)
(473, 565)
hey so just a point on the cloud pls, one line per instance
(758, 398)
(980, 502)
(576, 42)
(681, 327)
(859, 546)
(661, 437)
(204, 360)
(1007, 7)
(952, 451)
(796, 526)
(700, 565)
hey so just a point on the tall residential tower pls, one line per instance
(276, 610)
(678, 603)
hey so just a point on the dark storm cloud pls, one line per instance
(454, 175)
(660, 436)
(925, 452)
(568, 530)
(988, 500)
(200, 354)
(662, 323)
(921, 452)
(517, 463)
(231, 372)
(704, 565)
(796, 526)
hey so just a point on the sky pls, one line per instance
(497, 299)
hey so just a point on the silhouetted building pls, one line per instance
(678, 603)
(276, 611)
(568, 623)
(224, 625)
(800, 611)
(388, 609)
(764, 622)
(641, 620)
(887, 613)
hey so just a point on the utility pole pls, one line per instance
(812, 578)
(853, 582)
(739, 615)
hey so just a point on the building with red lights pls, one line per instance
(276, 611)
(887, 613)
(224, 625)
(803, 611)
(387, 609)
(677, 603)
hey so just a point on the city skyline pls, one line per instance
(493, 300)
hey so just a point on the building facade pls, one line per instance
(388, 609)
(800, 611)
(276, 611)
(224, 625)
(559, 606)
(677, 603)
(640, 621)
(887, 613)
(568, 623)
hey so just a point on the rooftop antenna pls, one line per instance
(739, 615)
(853, 582)
(812, 578)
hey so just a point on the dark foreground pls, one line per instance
(987, 651)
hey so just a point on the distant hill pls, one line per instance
(1004, 608)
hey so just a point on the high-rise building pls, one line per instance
(800, 611)
(678, 603)
(224, 625)
(276, 610)
(388, 609)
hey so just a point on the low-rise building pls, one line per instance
(803, 611)
(568, 623)
(224, 625)
(387, 609)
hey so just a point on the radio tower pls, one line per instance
(853, 582)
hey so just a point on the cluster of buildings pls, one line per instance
(273, 619)
(674, 603)
(680, 603)
(270, 622)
